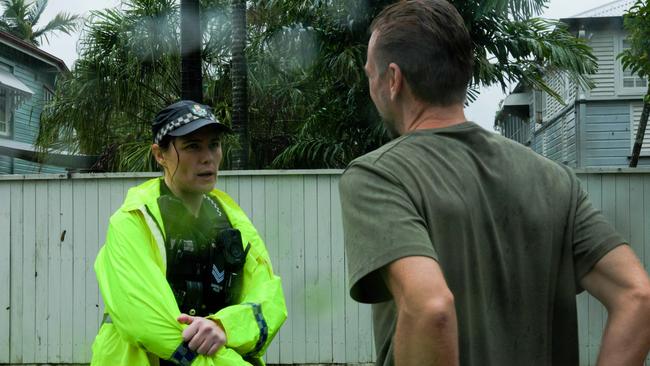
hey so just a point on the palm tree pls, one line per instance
(128, 69)
(510, 45)
(20, 18)
(240, 153)
(191, 76)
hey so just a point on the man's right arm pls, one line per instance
(619, 281)
(427, 327)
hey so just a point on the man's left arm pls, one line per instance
(610, 271)
(621, 284)
(427, 332)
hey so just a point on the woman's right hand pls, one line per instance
(204, 336)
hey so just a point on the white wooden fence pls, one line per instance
(52, 226)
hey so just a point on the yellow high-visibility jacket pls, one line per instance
(131, 269)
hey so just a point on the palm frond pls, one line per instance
(14, 10)
(134, 157)
(14, 18)
(36, 10)
(513, 9)
(62, 22)
(522, 51)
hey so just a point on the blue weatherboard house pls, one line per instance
(27, 80)
(593, 128)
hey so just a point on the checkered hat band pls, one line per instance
(178, 122)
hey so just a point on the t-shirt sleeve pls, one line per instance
(381, 224)
(593, 236)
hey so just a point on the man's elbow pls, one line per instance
(437, 312)
(634, 301)
(442, 311)
(641, 298)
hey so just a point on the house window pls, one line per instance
(5, 115)
(5, 100)
(538, 105)
(630, 80)
(565, 89)
(48, 96)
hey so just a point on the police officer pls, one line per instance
(185, 277)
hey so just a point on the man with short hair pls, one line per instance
(471, 247)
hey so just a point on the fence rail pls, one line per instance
(51, 227)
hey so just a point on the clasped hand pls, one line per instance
(204, 336)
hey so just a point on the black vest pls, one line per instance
(205, 255)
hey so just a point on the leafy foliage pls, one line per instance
(637, 23)
(509, 44)
(20, 18)
(327, 116)
(308, 95)
(523, 51)
(128, 69)
(637, 59)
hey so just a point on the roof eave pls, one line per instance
(33, 51)
(576, 23)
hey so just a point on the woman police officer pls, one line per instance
(185, 277)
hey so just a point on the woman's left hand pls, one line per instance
(204, 335)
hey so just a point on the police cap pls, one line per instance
(182, 118)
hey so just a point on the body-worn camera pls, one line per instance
(229, 252)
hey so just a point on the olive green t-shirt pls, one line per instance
(512, 231)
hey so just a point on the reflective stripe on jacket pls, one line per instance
(131, 269)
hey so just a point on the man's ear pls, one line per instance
(396, 80)
(156, 151)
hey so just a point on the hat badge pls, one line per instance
(199, 111)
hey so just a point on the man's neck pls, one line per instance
(421, 117)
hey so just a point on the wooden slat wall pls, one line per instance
(5, 165)
(602, 44)
(51, 230)
(625, 200)
(606, 133)
(552, 106)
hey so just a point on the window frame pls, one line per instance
(7, 117)
(619, 73)
(48, 95)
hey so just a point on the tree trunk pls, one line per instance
(239, 74)
(191, 76)
(640, 132)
